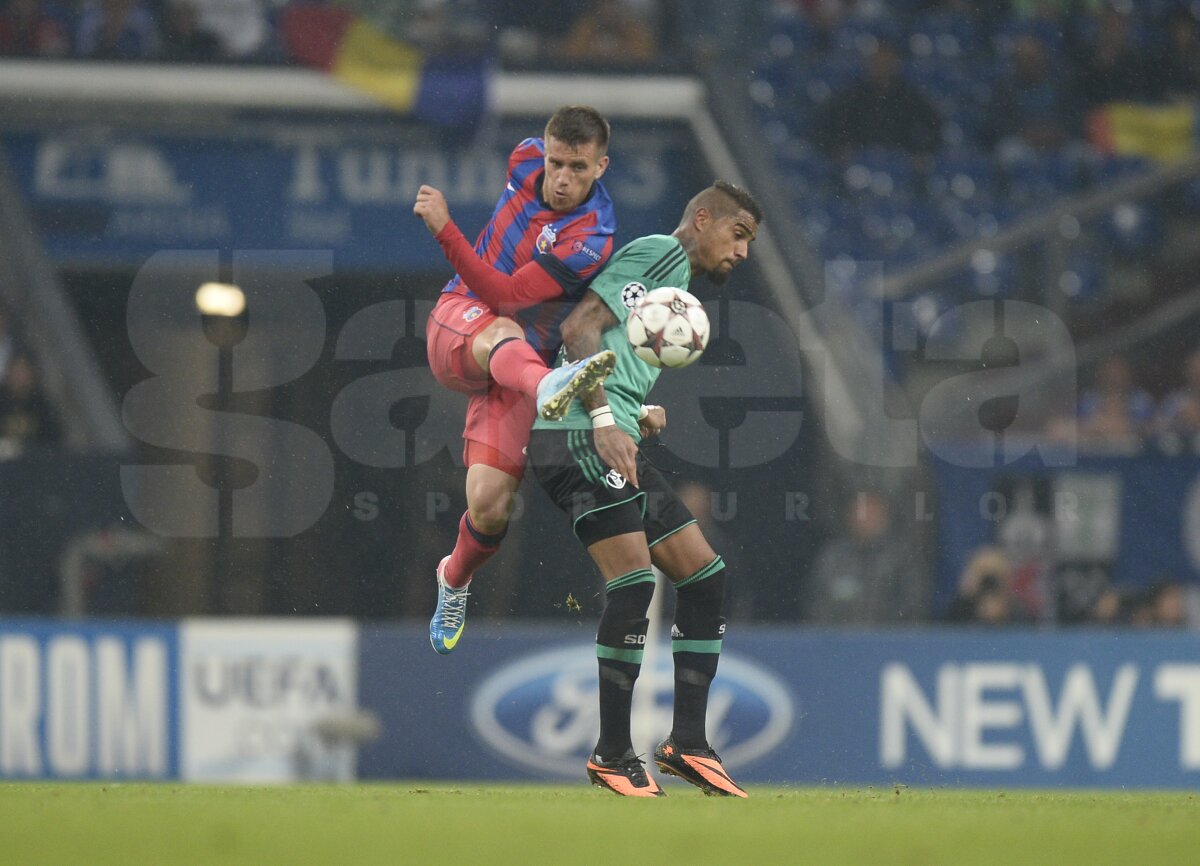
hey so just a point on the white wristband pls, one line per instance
(643, 412)
(601, 416)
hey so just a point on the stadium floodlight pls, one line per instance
(220, 299)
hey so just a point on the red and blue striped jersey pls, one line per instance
(571, 246)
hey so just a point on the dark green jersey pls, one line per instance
(639, 266)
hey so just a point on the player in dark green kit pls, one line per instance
(625, 513)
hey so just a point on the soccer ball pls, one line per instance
(668, 328)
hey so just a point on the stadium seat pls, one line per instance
(946, 34)
(880, 172)
(1083, 277)
(964, 175)
(1134, 229)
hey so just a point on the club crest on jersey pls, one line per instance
(631, 294)
(472, 314)
(614, 479)
(546, 239)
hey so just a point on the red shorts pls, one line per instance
(498, 420)
(449, 334)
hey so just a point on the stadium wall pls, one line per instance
(243, 700)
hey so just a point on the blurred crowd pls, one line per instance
(1037, 67)
(917, 75)
(1115, 413)
(998, 589)
(870, 573)
(905, 128)
(621, 33)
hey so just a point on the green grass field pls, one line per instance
(98, 824)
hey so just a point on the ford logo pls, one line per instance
(541, 711)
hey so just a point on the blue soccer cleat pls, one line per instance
(563, 384)
(450, 617)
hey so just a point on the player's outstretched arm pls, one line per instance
(581, 335)
(504, 293)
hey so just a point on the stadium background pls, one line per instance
(953, 390)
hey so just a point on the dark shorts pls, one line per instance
(599, 501)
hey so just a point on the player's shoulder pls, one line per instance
(633, 268)
(648, 249)
(530, 150)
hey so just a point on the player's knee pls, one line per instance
(705, 590)
(501, 329)
(491, 517)
(490, 504)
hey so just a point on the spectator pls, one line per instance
(880, 109)
(184, 41)
(1107, 608)
(1168, 604)
(610, 33)
(1113, 70)
(28, 29)
(527, 28)
(869, 575)
(1180, 410)
(984, 593)
(8, 344)
(116, 30)
(1030, 104)
(448, 27)
(1026, 536)
(824, 16)
(1179, 64)
(241, 26)
(26, 417)
(1161, 605)
(1112, 412)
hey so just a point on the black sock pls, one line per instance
(696, 646)
(620, 641)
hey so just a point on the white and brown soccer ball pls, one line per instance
(668, 328)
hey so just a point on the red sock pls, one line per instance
(515, 365)
(472, 550)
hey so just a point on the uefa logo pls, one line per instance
(541, 712)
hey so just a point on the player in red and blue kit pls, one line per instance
(495, 329)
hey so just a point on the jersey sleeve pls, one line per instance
(636, 269)
(527, 159)
(579, 253)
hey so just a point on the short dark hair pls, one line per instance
(577, 125)
(741, 197)
(724, 199)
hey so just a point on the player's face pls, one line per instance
(724, 243)
(570, 173)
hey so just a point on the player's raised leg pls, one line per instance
(620, 641)
(502, 352)
(490, 494)
(698, 576)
